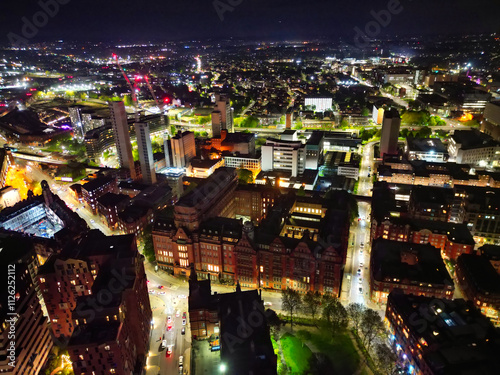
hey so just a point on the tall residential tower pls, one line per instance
(145, 153)
(121, 132)
(222, 115)
(390, 133)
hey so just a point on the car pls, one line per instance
(362, 244)
(181, 296)
(163, 344)
(161, 293)
(181, 361)
(177, 314)
(183, 322)
(369, 175)
(183, 331)
(359, 270)
(169, 327)
(184, 315)
(160, 287)
(92, 221)
(268, 304)
(361, 264)
(169, 319)
(151, 292)
(361, 290)
(169, 351)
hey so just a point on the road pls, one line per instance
(355, 284)
(166, 304)
(63, 191)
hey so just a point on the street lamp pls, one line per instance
(222, 368)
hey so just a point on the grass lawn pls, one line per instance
(296, 354)
(341, 351)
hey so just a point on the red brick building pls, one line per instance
(114, 321)
(61, 282)
(451, 238)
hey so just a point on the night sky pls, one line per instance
(141, 20)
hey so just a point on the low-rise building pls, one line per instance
(110, 204)
(428, 149)
(475, 148)
(480, 283)
(451, 238)
(437, 336)
(96, 188)
(412, 268)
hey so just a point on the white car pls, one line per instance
(163, 344)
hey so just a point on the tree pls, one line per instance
(291, 303)
(250, 122)
(385, 358)
(173, 129)
(301, 192)
(344, 123)
(424, 132)
(365, 112)
(371, 327)
(335, 314)
(245, 176)
(355, 314)
(149, 250)
(311, 302)
(127, 100)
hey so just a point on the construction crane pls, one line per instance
(130, 85)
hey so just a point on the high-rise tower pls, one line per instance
(390, 133)
(121, 132)
(222, 115)
(145, 153)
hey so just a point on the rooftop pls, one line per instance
(426, 145)
(388, 263)
(470, 139)
(458, 339)
(481, 273)
(97, 183)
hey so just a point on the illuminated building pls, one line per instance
(253, 164)
(9, 197)
(431, 203)
(110, 204)
(115, 339)
(413, 268)
(96, 188)
(6, 160)
(210, 199)
(491, 123)
(480, 283)
(183, 149)
(390, 133)
(270, 256)
(451, 238)
(473, 147)
(122, 136)
(145, 153)
(61, 281)
(437, 336)
(25, 341)
(378, 115)
(283, 155)
(428, 149)
(222, 115)
(319, 104)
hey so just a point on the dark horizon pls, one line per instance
(250, 20)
